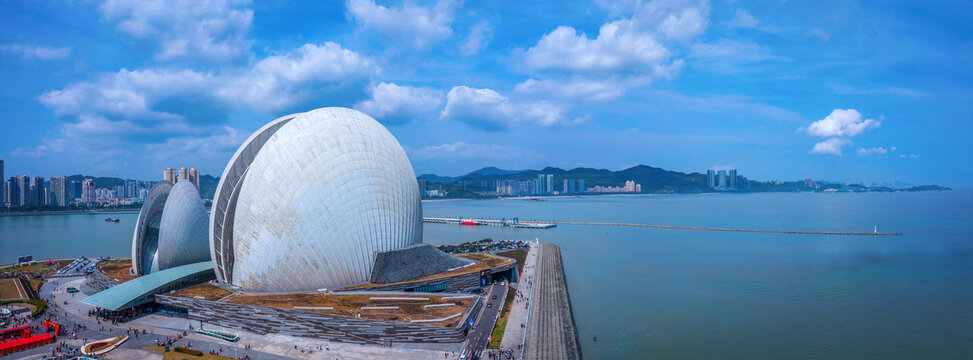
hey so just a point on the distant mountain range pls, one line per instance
(652, 180)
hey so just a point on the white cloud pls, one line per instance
(841, 122)
(417, 26)
(130, 94)
(282, 80)
(211, 29)
(38, 52)
(574, 89)
(488, 109)
(391, 101)
(830, 146)
(480, 34)
(634, 44)
(616, 48)
(462, 150)
(818, 33)
(271, 84)
(874, 151)
(743, 19)
(910, 156)
(685, 26)
(217, 145)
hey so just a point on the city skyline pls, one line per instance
(710, 84)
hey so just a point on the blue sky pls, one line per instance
(835, 90)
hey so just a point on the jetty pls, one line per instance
(551, 332)
(512, 223)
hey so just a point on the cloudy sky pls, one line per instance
(835, 90)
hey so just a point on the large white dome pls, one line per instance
(308, 200)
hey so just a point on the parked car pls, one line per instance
(489, 305)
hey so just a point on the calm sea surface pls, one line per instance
(679, 294)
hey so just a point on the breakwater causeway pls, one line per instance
(721, 229)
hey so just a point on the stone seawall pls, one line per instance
(263, 320)
(551, 333)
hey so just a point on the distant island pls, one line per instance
(492, 182)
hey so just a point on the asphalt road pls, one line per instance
(478, 338)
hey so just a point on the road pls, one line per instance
(479, 337)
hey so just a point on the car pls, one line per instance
(489, 305)
(494, 297)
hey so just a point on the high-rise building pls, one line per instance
(565, 188)
(76, 190)
(581, 187)
(711, 178)
(59, 189)
(168, 174)
(733, 179)
(88, 191)
(36, 191)
(183, 174)
(131, 189)
(550, 184)
(6, 192)
(3, 187)
(194, 177)
(721, 176)
(22, 190)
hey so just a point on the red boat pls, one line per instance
(469, 222)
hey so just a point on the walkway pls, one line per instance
(551, 333)
(513, 334)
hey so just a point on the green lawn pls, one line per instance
(501, 325)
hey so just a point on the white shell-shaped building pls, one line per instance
(309, 199)
(171, 229)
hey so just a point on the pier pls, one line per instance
(513, 223)
(547, 224)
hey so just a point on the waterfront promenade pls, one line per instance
(513, 334)
(551, 333)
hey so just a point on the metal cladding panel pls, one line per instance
(224, 200)
(145, 240)
(326, 192)
(183, 230)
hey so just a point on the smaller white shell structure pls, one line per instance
(183, 230)
(145, 241)
(171, 229)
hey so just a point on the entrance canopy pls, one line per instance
(143, 289)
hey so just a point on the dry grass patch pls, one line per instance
(488, 259)
(118, 270)
(10, 290)
(350, 306)
(204, 290)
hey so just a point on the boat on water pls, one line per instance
(469, 223)
(109, 219)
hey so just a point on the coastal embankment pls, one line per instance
(551, 332)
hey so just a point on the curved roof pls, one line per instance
(145, 240)
(224, 200)
(183, 228)
(325, 192)
(143, 289)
